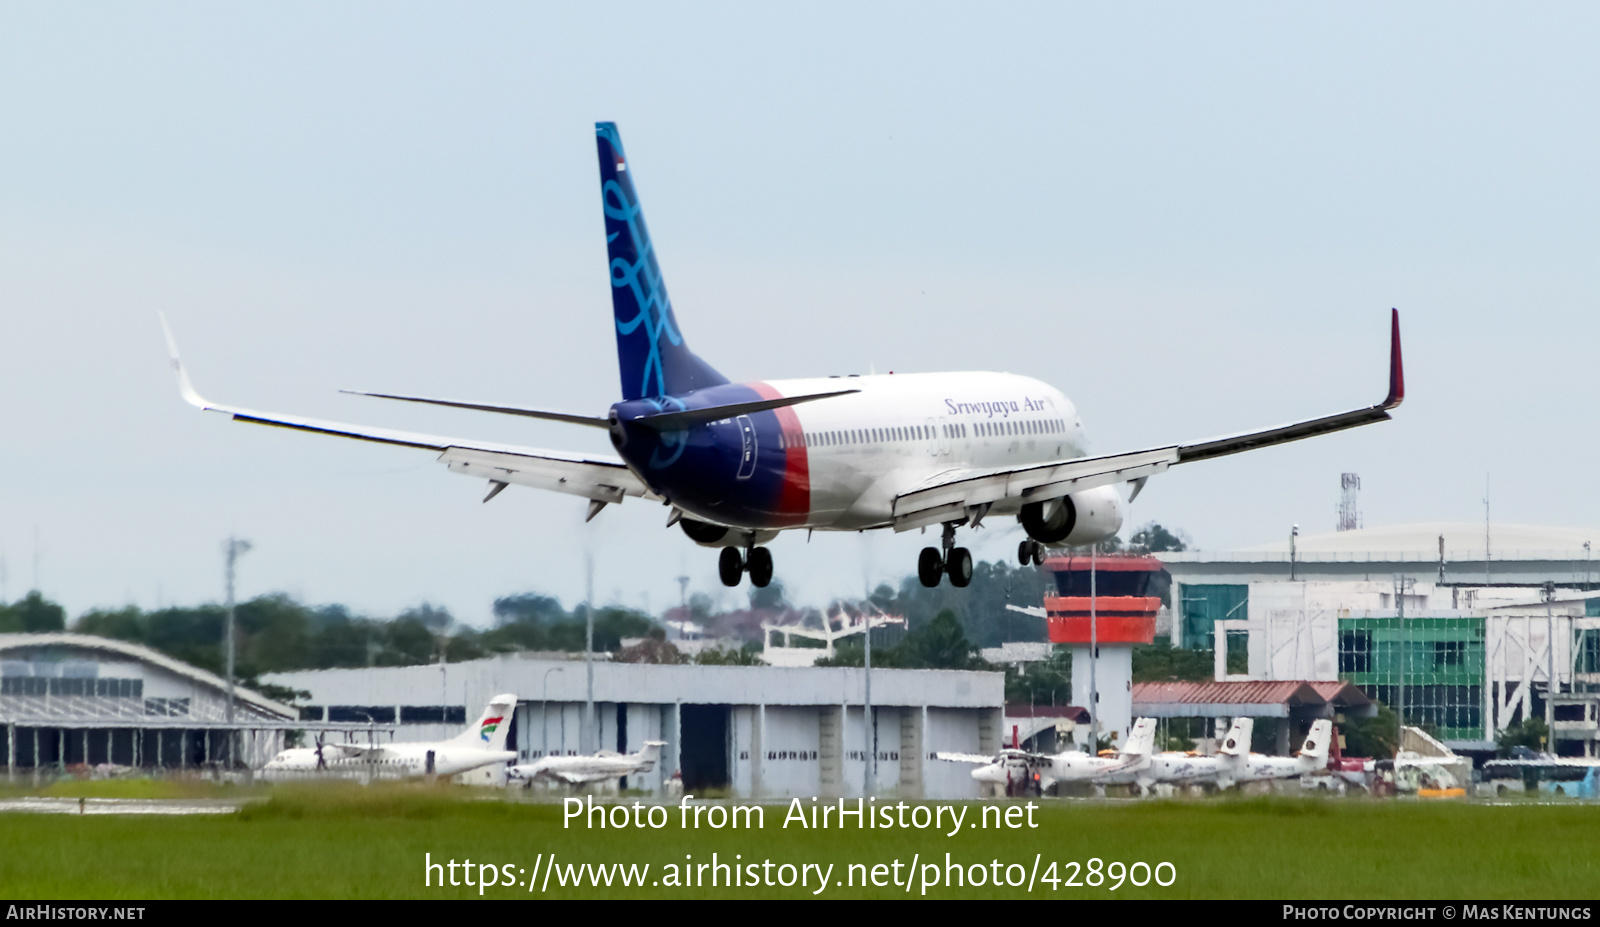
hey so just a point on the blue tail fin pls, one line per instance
(655, 359)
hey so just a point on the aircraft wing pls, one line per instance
(353, 751)
(597, 478)
(980, 759)
(958, 494)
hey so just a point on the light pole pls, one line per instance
(1094, 656)
(588, 735)
(1401, 584)
(1550, 655)
(232, 548)
(544, 712)
(1293, 534)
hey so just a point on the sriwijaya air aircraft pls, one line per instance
(737, 463)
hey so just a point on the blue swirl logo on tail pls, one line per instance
(654, 358)
(642, 278)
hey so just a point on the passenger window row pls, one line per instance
(1004, 428)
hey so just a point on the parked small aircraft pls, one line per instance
(1183, 768)
(1023, 772)
(1255, 767)
(482, 744)
(580, 770)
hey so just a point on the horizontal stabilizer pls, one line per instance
(683, 418)
(571, 419)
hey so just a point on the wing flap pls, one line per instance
(951, 494)
(598, 480)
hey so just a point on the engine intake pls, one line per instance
(702, 532)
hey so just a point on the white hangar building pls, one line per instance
(75, 699)
(751, 731)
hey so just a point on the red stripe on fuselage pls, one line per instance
(793, 505)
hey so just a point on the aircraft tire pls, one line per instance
(1025, 553)
(730, 566)
(930, 567)
(960, 567)
(760, 566)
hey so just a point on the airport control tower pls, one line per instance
(1128, 592)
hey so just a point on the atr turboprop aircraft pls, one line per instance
(481, 744)
(740, 462)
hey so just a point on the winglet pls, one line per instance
(185, 388)
(1397, 375)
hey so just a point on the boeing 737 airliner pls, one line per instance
(740, 462)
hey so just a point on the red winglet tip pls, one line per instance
(1397, 375)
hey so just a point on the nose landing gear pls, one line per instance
(757, 562)
(956, 561)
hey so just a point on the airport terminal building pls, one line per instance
(70, 700)
(745, 731)
(1468, 628)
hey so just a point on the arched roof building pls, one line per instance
(71, 699)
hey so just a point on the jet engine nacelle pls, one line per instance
(707, 534)
(1076, 519)
(704, 533)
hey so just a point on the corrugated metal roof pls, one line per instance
(147, 655)
(1071, 712)
(1279, 692)
(1341, 693)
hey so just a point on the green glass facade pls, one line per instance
(1440, 661)
(1205, 605)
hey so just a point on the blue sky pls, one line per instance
(1191, 219)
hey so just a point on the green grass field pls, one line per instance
(352, 842)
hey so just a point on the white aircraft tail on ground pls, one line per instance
(1256, 767)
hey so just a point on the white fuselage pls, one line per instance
(1174, 769)
(1070, 766)
(583, 768)
(901, 430)
(390, 759)
(1259, 766)
(866, 448)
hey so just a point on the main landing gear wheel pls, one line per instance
(759, 563)
(1030, 552)
(959, 566)
(930, 567)
(730, 566)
